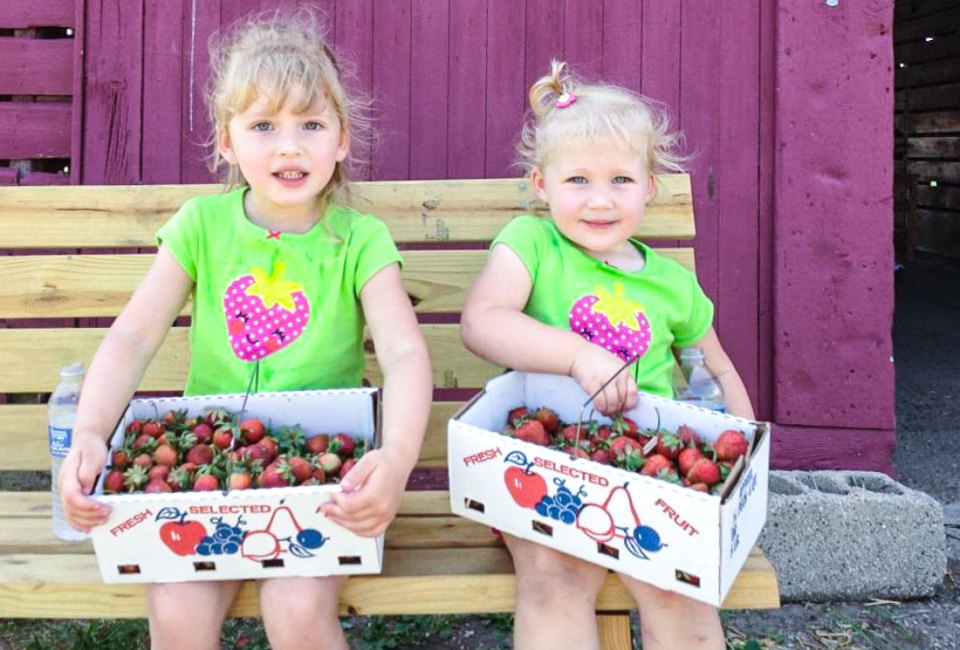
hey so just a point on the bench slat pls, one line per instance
(77, 286)
(23, 437)
(415, 211)
(30, 359)
(414, 582)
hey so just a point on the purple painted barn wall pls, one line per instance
(833, 297)
(449, 81)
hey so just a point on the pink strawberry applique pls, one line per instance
(612, 321)
(265, 313)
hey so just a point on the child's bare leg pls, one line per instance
(203, 604)
(303, 613)
(669, 620)
(556, 598)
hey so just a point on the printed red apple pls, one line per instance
(182, 537)
(526, 489)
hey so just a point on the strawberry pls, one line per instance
(623, 446)
(251, 430)
(165, 454)
(704, 471)
(731, 445)
(342, 444)
(520, 413)
(668, 445)
(201, 455)
(318, 444)
(158, 472)
(257, 452)
(270, 444)
(604, 432)
(688, 436)
(205, 483)
(152, 428)
(271, 477)
(223, 438)
(135, 478)
(626, 427)
(330, 463)
(602, 456)
(347, 466)
(157, 486)
(172, 418)
(296, 469)
(319, 475)
(214, 417)
(686, 458)
(533, 431)
(239, 479)
(143, 460)
(203, 432)
(655, 464)
(568, 434)
(120, 459)
(135, 427)
(699, 487)
(576, 451)
(548, 418)
(180, 478)
(144, 442)
(114, 482)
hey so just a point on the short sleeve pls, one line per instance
(180, 236)
(372, 249)
(699, 315)
(526, 236)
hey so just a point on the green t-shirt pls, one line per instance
(288, 301)
(630, 313)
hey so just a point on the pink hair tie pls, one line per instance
(564, 100)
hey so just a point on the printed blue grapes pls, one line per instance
(226, 540)
(563, 506)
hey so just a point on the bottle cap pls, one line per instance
(691, 353)
(74, 369)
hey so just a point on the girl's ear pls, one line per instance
(651, 186)
(343, 148)
(539, 184)
(223, 145)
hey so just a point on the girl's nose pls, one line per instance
(599, 198)
(288, 144)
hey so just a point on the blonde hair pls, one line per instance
(597, 111)
(279, 55)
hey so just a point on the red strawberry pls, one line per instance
(347, 466)
(223, 438)
(270, 444)
(143, 460)
(624, 446)
(205, 482)
(318, 444)
(296, 469)
(272, 478)
(157, 486)
(687, 458)
(604, 432)
(160, 472)
(704, 471)
(576, 451)
(655, 464)
(519, 413)
(731, 445)
(259, 453)
(239, 479)
(601, 456)
(152, 428)
(214, 417)
(135, 427)
(171, 418)
(626, 427)
(165, 454)
(688, 436)
(114, 482)
(568, 434)
(700, 487)
(120, 459)
(144, 442)
(668, 445)
(548, 418)
(251, 430)
(319, 476)
(135, 478)
(533, 431)
(203, 432)
(342, 444)
(201, 455)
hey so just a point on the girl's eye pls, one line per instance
(313, 126)
(620, 180)
(577, 180)
(261, 126)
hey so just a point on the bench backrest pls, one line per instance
(55, 301)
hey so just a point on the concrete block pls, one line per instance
(852, 536)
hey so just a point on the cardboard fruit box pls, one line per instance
(263, 532)
(667, 535)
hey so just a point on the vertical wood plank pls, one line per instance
(544, 40)
(467, 81)
(737, 187)
(428, 88)
(615, 633)
(660, 59)
(391, 85)
(162, 103)
(583, 37)
(114, 76)
(506, 95)
(77, 103)
(622, 61)
(834, 234)
(201, 19)
(353, 20)
(766, 261)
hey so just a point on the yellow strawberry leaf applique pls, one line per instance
(273, 289)
(617, 307)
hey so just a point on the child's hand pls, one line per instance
(371, 495)
(86, 459)
(593, 367)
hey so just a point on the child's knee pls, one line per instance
(169, 605)
(554, 574)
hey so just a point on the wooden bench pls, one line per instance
(436, 563)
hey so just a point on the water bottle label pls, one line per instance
(59, 441)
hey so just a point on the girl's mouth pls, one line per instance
(290, 177)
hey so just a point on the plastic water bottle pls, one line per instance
(696, 385)
(61, 412)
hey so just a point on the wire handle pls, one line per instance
(254, 376)
(590, 399)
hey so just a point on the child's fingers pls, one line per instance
(359, 475)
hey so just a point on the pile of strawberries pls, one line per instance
(217, 451)
(680, 457)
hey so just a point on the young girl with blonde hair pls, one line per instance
(592, 151)
(283, 128)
